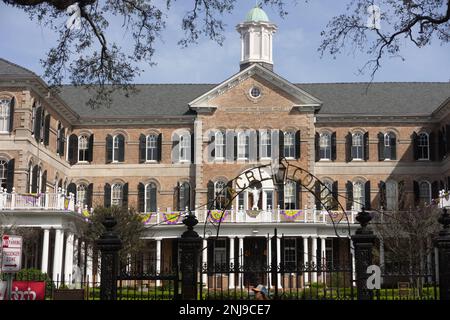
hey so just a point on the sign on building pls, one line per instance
(11, 253)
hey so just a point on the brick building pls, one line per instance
(172, 146)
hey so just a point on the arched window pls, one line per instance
(3, 173)
(357, 146)
(243, 145)
(358, 195)
(83, 147)
(81, 194)
(289, 145)
(391, 195)
(327, 192)
(118, 148)
(4, 115)
(219, 145)
(117, 194)
(325, 146)
(423, 146)
(220, 194)
(150, 198)
(390, 146)
(425, 192)
(152, 147)
(185, 146)
(289, 195)
(184, 196)
(266, 145)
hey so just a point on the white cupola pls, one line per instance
(256, 39)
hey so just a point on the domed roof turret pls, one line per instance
(256, 14)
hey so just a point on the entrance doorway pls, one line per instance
(255, 261)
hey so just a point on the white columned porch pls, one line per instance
(279, 261)
(89, 262)
(58, 255)
(314, 258)
(158, 259)
(204, 261)
(305, 259)
(323, 258)
(231, 283)
(45, 245)
(68, 261)
(241, 260)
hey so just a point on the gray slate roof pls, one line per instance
(10, 69)
(382, 98)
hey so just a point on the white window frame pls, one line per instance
(358, 144)
(288, 247)
(387, 143)
(325, 148)
(81, 194)
(147, 198)
(425, 198)
(358, 199)
(243, 146)
(117, 194)
(391, 195)
(151, 146)
(5, 110)
(289, 145)
(325, 194)
(218, 187)
(220, 251)
(219, 145)
(421, 147)
(83, 144)
(185, 144)
(290, 195)
(3, 172)
(115, 148)
(266, 145)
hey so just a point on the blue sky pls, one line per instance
(295, 49)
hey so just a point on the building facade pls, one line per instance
(172, 147)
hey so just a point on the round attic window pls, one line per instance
(255, 92)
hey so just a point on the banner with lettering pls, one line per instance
(28, 290)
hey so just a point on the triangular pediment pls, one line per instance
(300, 98)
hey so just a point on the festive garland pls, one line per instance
(146, 217)
(218, 215)
(86, 213)
(171, 217)
(66, 203)
(291, 214)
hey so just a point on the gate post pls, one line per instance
(442, 242)
(190, 244)
(363, 241)
(109, 245)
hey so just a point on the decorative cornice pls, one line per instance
(341, 118)
(133, 120)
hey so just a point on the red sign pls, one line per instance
(28, 290)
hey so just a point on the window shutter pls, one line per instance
(210, 195)
(393, 148)
(381, 156)
(107, 195)
(447, 132)
(121, 148)
(349, 150)
(34, 179)
(141, 197)
(11, 115)
(72, 188)
(335, 195)
(125, 196)
(333, 146)
(177, 199)
(229, 143)
(10, 176)
(416, 192)
(298, 195)
(281, 144)
(366, 146)
(37, 124)
(192, 148)
(212, 146)
(89, 195)
(415, 143)
(90, 155)
(280, 193)
(367, 203)
(317, 196)
(44, 182)
(61, 141)
(441, 146)
(153, 200)
(317, 146)
(275, 141)
(258, 144)
(349, 191)
(109, 150)
(175, 148)
(235, 139)
(47, 130)
(142, 148)
(73, 149)
(297, 145)
(382, 191)
(159, 148)
(435, 190)
(253, 146)
(432, 144)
